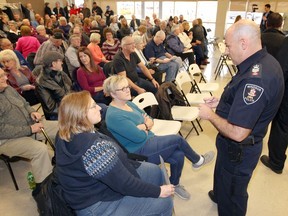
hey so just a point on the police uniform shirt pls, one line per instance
(120, 63)
(252, 97)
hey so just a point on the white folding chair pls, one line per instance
(201, 87)
(190, 98)
(160, 127)
(224, 61)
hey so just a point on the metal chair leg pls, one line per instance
(7, 162)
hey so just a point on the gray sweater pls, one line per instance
(15, 113)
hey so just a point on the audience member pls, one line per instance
(71, 57)
(21, 134)
(42, 36)
(125, 63)
(124, 29)
(124, 118)
(86, 11)
(76, 30)
(87, 26)
(19, 77)
(55, 43)
(134, 23)
(116, 184)
(91, 77)
(27, 44)
(114, 25)
(175, 46)
(63, 25)
(167, 62)
(139, 46)
(205, 41)
(6, 44)
(58, 10)
(98, 56)
(52, 84)
(67, 9)
(111, 46)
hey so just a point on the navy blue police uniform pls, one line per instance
(250, 100)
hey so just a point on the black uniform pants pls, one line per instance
(233, 170)
(278, 141)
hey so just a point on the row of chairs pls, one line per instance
(198, 91)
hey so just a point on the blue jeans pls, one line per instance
(199, 54)
(173, 149)
(145, 84)
(171, 68)
(128, 205)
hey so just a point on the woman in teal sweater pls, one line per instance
(132, 128)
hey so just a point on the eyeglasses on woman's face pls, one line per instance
(124, 89)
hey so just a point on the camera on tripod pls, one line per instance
(254, 7)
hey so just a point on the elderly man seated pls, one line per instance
(167, 62)
(20, 131)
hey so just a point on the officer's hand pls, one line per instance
(205, 112)
(212, 102)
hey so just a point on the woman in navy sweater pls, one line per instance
(96, 176)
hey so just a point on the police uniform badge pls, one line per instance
(252, 93)
(256, 70)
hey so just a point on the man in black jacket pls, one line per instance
(266, 14)
(272, 38)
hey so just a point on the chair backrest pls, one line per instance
(194, 68)
(222, 48)
(144, 100)
(182, 78)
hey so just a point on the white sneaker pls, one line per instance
(181, 192)
(208, 158)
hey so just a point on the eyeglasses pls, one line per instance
(3, 75)
(124, 89)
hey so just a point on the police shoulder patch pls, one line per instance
(252, 93)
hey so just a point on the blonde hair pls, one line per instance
(9, 55)
(95, 37)
(111, 83)
(72, 115)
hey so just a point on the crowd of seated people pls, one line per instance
(54, 52)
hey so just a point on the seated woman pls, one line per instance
(111, 46)
(131, 127)
(98, 56)
(96, 176)
(124, 29)
(90, 76)
(19, 77)
(27, 44)
(63, 25)
(152, 67)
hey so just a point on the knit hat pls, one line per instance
(50, 57)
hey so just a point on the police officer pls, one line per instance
(249, 102)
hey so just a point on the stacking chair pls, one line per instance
(192, 99)
(7, 160)
(201, 87)
(224, 61)
(160, 127)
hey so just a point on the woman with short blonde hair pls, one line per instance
(98, 56)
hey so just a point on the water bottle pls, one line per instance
(31, 181)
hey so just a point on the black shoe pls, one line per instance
(212, 196)
(266, 161)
